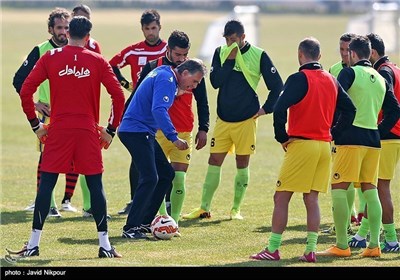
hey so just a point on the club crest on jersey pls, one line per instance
(152, 74)
(166, 99)
(73, 71)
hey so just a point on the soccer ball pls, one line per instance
(163, 227)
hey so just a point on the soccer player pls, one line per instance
(145, 114)
(183, 120)
(136, 56)
(74, 138)
(84, 10)
(355, 216)
(57, 26)
(390, 154)
(358, 147)
(307, 162)
(236, 71)
(93, 45)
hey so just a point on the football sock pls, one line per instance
(351, 193)
(210, 185)
(361, 200)
(35, 238)
(274, 242)
(70, 184)
(340, 216)
(241, 182)
(363, 229)
(374, 213)
(178, 194)
(312, 239)
(163, 208)
(390, 233)
(103, 240)
(53, 200)
(85, 193)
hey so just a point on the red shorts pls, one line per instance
(72, 151)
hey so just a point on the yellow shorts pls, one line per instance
(306, 166)
(356, 184)
(355, 164)
(390, 157)
(235, 137)
(45, 120)
(333, 149)
(171, 151)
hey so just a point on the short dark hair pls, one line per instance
(193, 65)
(82, 7)
(61, 13)
(377, 43)
(346, 37)
(310, 47)
(79, 27)
(149, 16)
(178, 39)
(233, 26)
(361, 45)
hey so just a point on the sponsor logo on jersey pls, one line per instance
(82, 73)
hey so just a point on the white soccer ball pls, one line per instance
(163, 227)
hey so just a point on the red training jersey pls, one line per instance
(396, 88)
(75, 75)
(93, 45)
(312, 117)
(137, 56)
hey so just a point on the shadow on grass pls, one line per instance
(75, 242)
(114, 240)
(18, 217)
(15, 217)
(294, 263)
(202, 222)
(7, 262)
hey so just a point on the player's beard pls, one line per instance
(151, 39)
(60, 40)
